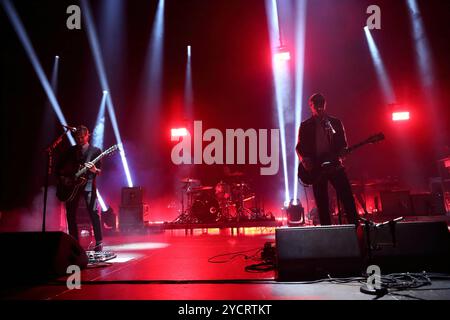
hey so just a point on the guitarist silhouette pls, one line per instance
(71, 161)
(321, 143)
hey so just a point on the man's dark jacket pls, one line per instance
(306, 146)
(71, 160)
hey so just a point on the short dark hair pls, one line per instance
(82, 129)
(317, 98)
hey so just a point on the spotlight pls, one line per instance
(399, 112)
(56, 57)
(383, 77)
(101, 201)
(400, 116)
(188, 90)
(282, 54)
(95, 48)
(295, 213)
(179, 132)
(299, 80)
(99, 130)
(24, 39)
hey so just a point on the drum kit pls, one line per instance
(225, 202)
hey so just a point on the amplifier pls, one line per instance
(133, 216)
(132, 196)
(423, 204)
(440, 191)
(396, 203)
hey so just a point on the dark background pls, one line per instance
(233, 88)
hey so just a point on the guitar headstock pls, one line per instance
(376, 138)
(111, 150)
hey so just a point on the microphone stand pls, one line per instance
(48, 172)
(379, 292)
(368, 224)
(376, 226)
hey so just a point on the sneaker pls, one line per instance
(98, 247)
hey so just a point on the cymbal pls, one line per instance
(370, 183)
(189, 180)
(249, 198)
(204, 188)
(199, 189)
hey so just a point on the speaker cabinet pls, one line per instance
(440, 191)
(396, 203)
(410, 247)
(133, 216)
(423, 205)
(38, 256)
(307, 253)
(132, 197)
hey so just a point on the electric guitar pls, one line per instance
(68, 186)
(309, 177)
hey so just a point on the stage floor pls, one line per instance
(204, 264)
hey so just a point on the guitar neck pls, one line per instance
(356, 146)
(372, 139)
(85, 169)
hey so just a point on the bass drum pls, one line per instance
(205, 210)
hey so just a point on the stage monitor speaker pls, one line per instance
(308, 253)
(418, 246)
(37, 256)
(396, 203)
(132, 196)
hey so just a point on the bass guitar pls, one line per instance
(309, 177)
(68, 186)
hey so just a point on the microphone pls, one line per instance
(328, 126)
(72, 129)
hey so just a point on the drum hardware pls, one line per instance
(199, 189)
(249, 198)
(189, 180)
(224, 202)
(186, 188)
(204, 210)
(242, 194)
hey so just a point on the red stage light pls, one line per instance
(401, 116)
(447, 163)
(179, 132)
